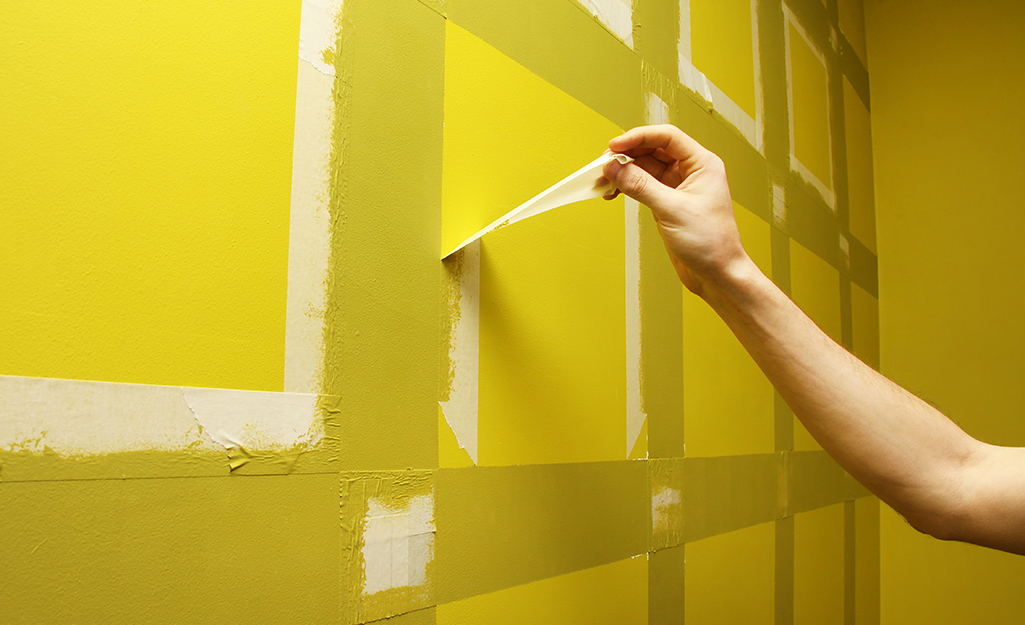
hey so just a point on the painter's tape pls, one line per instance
(635, 415)
(318, 33)
(73, 418)
(616, 15)
(460, 408)
(388, 546)
(309, 240)
(586, 183)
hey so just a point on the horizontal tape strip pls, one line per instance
(81, 429)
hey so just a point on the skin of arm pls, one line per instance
(943, 481)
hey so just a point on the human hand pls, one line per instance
(685, 187)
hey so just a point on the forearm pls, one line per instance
(899, 447)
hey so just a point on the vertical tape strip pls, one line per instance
(635, 415)
(309, 242)
(460, 409)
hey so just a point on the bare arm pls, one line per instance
(941, 480)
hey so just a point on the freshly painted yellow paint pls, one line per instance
(949, 190)
(552, 289)
(730, 578)
(924, 580)
(815, 287)
(722, 48)
(819, 566)
(860, 185)
(616, 594)
(809, 89)
(866, 561)
(147, 173)
(728, 402)
(171, 550)
(508, 135)
(865, 321)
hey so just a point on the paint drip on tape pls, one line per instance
(586, 183)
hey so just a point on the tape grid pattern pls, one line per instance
(377, 431)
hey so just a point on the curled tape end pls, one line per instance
(622, 158)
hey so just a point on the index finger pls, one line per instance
(670, 139)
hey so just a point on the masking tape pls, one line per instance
(656, 110)
(460, 409)
(79, 417)
(309, 244)
(318, 33)
(586, 183)
(388, 543)
(635, 415)
(616, 15)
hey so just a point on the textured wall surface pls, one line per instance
(948, 131)
(544, 428)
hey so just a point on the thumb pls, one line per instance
(637, 183)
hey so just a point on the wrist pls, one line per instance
(735, 287)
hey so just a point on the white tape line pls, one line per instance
(460, 409)
(318, 32)
(309, 226)
(398, 543)
(693, 79)
(80, 417)
(684, 45)
(635, 415)
(656, 110)
(616, 15)
(823, 187)
(779, 204)
(664, 509)
(586, 183)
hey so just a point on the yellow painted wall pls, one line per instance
(552, 312)
(809, 97)
(819, 566)
(722, 47)
(146, 182)
(148, 170)
(944, 93)
(727, 400)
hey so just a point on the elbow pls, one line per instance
(951, 511)
(941, 525)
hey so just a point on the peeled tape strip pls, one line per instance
(586, 183)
